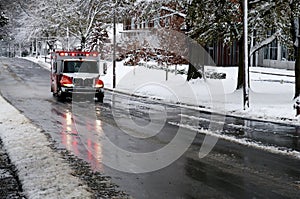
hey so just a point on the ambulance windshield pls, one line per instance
(80, 67)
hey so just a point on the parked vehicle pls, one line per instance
(76, 72)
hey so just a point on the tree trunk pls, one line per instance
(193, 73)
(83, 41)
(297, 59)
(196, 62)
(241, 72)
(297, 73)
(297, 65)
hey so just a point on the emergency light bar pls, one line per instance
(73, 54)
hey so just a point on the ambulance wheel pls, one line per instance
(61, 96)
(100, 97)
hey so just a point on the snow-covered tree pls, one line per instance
(3, 21)
(98, 37)
(3, 18)
(146, 11)
(282, 17)
(70, 17)
(293, 13)
(57, 19)
(24, 19)
(223, 20)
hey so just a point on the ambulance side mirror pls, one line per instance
(103, 68)
(55, 67)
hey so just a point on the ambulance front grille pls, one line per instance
(83, 82)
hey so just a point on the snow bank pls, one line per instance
(42, 172)
(242, 141)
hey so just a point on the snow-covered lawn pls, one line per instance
(271, 93)
(271, 96)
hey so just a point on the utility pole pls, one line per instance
(246, 57)
(114, 46)
(8, 49)
(68, 42)
(20, 49)
(36, 47)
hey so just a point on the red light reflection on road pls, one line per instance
(86, 147)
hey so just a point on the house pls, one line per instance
(169, 17)
(274, 55)
(173, 17)
(165, 18)
(224, 55)
(136, 27)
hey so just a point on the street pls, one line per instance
(232, 169)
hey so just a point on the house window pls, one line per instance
(156, 23)
(237, 53)
(211, 54)
(167, 22)
(284, 53)
(132, 24)
(233, 56)
(266, 53)
(211, 51)
(287, 54)
(271, 51)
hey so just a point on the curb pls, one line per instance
(281, 121)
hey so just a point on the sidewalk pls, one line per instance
(42, 172)
(273, 71)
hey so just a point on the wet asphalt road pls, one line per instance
(230, 170)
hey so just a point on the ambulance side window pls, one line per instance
(55, 67)
(60, 67)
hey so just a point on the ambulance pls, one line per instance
(76, 72)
